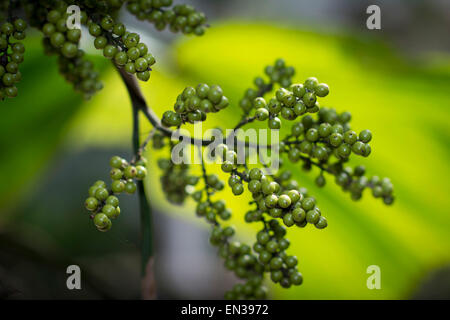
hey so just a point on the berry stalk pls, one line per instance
(147, 272)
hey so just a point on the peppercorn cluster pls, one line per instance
(51, 18)
(102, 202)
(290, 104)
(180, 18)
(121, 46)
(278, 74)
(175, 179)
(194, 103)
(124, 48)
(11, 56)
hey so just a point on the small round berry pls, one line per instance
(294, 195)
(272, 246)
(296, 278)
(344, 150)
(284, 201)
(298, 214)
(133, 53)
(358, 147)
(291, 261)
(74, 35)
(309, 99)
(109, 51)
(336, 139)
(130, 68)
(116, 174)
(150, 59)
(202, 90)
(312, 216)
(119, 29)
(259, 103)
(321, 223)
(121, 58)
(69, 50)
(237, 189)
(262, 237)
(101, 194)
(100, 42)
(48, 29)
(262, 114)
(130, 172)
(57, 39)
(116, 162)
(109, 210)
(227, 166)
(311, 83)
(308, 203)
(367, 150)
(298, 90)
(312, 135)
(279, 63)
(276, 263)
(20, 25)
(276, 275)
(112, 200)
(107, 23)
(276, 212)
(130, 187)
(91, 203)
(324, 130)
(141, 64)
(275, 123)
(7, 28)
(255, 174)
(141, 172)
(215, 94)
(101, 220)
(322, 90)
(117, 186)
(271, 201)
(18, 47)
(95, 30)
(320, 153)
(320, 181)
(365, 136)
(288, 220)
(350, 137)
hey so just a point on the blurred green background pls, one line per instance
(54, 145)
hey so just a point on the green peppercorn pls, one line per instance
(365, 136)
(321, 223)
(312, 216)
(91, 203)
(237, 189)
(350, 137)
(274, 123)
(321, 90)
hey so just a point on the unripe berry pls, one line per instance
(117, 186)
(130, 187)
(101, 193)
(91, 203)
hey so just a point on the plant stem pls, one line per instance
(147, 271)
